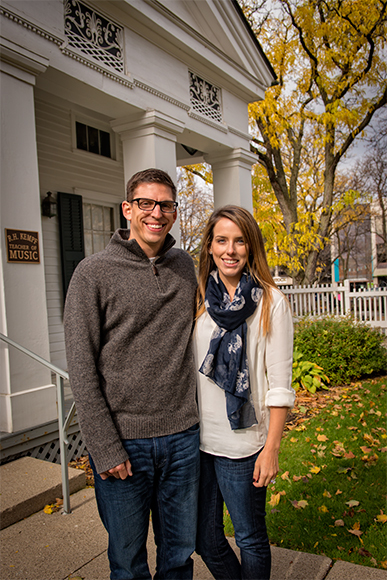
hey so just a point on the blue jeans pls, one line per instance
(231, 481)
(165, 482)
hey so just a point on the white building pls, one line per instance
(91, 92)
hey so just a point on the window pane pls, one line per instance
(108, 219)
(88, 244)
(105, 143)
(87, 216)
(98, 242)
(81, 136)
(93, 140)
(97, 214)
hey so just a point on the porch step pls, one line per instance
(28, 484)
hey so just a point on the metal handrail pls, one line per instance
(63, 421)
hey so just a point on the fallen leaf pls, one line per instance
(315, 469)
(365, 449)
(297, 477)
(343, 469)
(275, 498)
(382, 518)
(323, 509)
(285, 476)
(339, 523)
(349, 455)
(364, 552)
(356, 530)
(383, 564)
(322, 438)
(338, 492)
(352, 503)
(326, 493)
(293, 440)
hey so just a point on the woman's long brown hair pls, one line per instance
(256, 262)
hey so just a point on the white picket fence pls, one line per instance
(366, 305)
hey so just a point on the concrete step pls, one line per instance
(28, 484)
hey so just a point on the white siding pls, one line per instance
(66, 170)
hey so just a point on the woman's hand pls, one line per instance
(266, 468)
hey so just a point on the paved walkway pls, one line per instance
(58, 547)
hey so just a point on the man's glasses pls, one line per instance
(150, 204)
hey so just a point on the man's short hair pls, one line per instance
(151, 175)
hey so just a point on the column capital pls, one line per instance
(235, 157)
(20, 62)
(150, 123)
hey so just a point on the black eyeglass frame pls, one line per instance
(160, 203)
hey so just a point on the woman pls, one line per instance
(244, 348)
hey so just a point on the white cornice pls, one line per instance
(79, 57)
(161, 95)
(30, 26)
(194, 115)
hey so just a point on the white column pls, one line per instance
(150, 141)
(232, 178)
(27, 396)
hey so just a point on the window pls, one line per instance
(381, 250)
(98, 227)
(93, 140)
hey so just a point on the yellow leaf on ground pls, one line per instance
(382, 518)
(322, 438)
(293, 440)
(326, 493)
(48, 509)
(285, 476)
(299, 504)
(323, 509)
(314, 469)
(274, 500)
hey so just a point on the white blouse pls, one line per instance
(270, 362)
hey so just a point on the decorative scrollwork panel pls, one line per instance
(205, 98)
(94, 35)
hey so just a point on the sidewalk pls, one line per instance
(56, 547)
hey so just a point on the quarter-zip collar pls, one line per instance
(120, 239)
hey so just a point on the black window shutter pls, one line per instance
(71, 234)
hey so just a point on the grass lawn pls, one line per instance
(330, 494)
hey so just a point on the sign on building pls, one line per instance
(22, 247)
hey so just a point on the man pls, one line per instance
(128, 324)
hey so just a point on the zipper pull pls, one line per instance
(155, 272)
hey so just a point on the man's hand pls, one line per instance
(119, 472)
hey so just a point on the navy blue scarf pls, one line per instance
(226, 360)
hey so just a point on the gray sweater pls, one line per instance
(128, 330)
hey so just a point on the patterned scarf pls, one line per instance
(226, 360)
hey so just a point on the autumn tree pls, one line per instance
(332, 80)
(195, 205)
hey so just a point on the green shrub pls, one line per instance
(347, 350)
(307, 375)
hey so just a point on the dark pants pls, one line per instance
(231, 481)
(165, 481)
